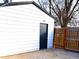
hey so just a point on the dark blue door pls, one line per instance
(43, 35)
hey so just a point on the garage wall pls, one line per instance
(19, 29)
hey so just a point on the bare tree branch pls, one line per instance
(64, 10)
(39, 3)
(73, 8)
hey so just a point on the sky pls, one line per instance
(1, 1)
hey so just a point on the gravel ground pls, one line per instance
(45, 54)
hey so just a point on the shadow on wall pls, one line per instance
(51, 38)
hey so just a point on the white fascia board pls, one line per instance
(20, 0)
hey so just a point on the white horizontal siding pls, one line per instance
(18, 38)
(19, 29)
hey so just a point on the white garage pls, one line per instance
(24, 27)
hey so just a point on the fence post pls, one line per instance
(64, 39)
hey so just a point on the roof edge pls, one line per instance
(26, 2)
(16, 3)
(42, 9)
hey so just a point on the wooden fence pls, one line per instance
(67, 38)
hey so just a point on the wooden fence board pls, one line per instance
(71, 38)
